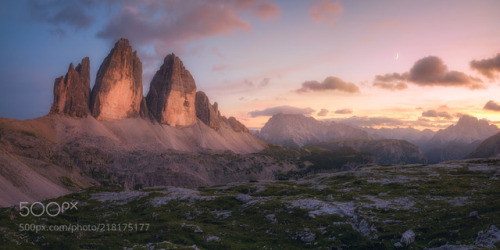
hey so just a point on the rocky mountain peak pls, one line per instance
(207, 113)
(299, 130)
(470, 121)
(468, 129)
(172, 94)
(117, 93)
(72, 92)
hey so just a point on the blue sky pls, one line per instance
(253, 55)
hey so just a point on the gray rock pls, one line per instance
(245, 198)
(408, 237)
(212, 238)
(272, 218)
(488, 238)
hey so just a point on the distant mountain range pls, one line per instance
(386, 151)
(488, 148)
(453, 143)
(298, 130)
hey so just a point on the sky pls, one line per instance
(387, 63)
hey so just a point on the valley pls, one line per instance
(452, 205)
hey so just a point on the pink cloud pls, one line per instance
(323, 112)
(267, 11)
(196, 22)
(428, 71)
(330, 83)
(325, 11)
(217, 68)
(488, 67)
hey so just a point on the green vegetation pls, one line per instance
(369, 208)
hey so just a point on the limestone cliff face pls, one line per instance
(72, 92)
(207, 113)
(171, 97)
(117, 93)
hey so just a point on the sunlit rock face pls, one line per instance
(72, 92)
(117, 93)
(171, 97)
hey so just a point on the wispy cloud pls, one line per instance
(62, 14)
(343, 111)
(268, 11)
(394, 81)
(325, 11)
(365, 121)
(323, 112)
(281, 109)
(434, 113)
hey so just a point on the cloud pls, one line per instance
(281, 109)
(325, 11)
(429, 113)
(431, 71)
(364, 121)
(428, 71)
(217, 68)
(62, 14)
(343, 111)
(267, 11)
(491, 105)
(488, 67)
(264, 82)
(323, 112)
(394, 81)
(434, 113)
(445, 115)
(192, 22)
(330, 83)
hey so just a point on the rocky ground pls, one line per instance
(454, 205)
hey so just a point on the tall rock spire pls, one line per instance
(117, 93)
(207, 113)
(171, 97)
(72, 92)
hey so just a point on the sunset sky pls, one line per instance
(378, 63)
